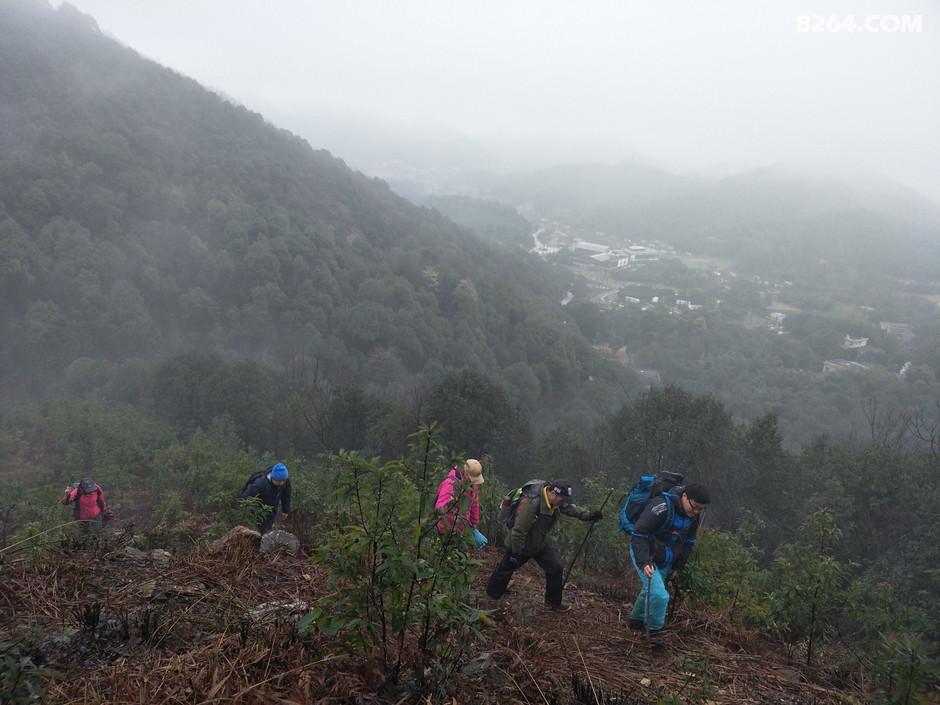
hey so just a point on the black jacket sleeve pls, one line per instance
(253, 489)
(285, 497)
(643, 536)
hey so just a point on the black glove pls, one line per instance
(595, 516)
(514, 560)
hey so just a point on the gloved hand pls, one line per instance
(514, 560)
(596, 516)
(108, 515)
(479, 539)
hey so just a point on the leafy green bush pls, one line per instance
(908, 671)
(596, 548)
(723, 573)
(247, 511)
(399, 586)
(810, 584)
(21, 680)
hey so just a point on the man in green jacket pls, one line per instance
(536, 515)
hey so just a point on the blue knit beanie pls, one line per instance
(278, 472)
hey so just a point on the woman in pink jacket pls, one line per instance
(90, 506)
(458, 500)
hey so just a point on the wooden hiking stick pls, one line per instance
(586, 537)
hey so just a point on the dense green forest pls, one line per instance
(189, 292)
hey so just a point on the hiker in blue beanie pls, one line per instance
(272, 487)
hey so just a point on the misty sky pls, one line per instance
(687, 83)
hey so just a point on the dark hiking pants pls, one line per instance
(547, 560)
(264, 526)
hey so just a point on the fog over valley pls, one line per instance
(705, 87)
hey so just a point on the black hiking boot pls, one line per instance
(656, 639)
(638, 625)
(563, 607)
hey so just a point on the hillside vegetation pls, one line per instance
(828, 554)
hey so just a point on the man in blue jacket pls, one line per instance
(272, 488)
(662, 540)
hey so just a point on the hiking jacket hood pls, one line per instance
(535, 518)
(462, 509)
(87, 505)
(666, 545)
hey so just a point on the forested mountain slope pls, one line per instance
(142, 215)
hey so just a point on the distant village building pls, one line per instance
(850, 343)
(651, 377)
(590, 248)
(638, 253)
(604, 256)
(610, 259)
(842, 365)
(903, 331)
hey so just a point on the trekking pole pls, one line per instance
(586, 537)
(30, 538)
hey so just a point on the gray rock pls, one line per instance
(160, 558)
(278, 540)
(478, 666)
(290, 611)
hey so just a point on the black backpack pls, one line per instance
(511, 502)
(647, 487)
(254, 476)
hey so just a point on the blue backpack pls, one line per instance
(648, 487)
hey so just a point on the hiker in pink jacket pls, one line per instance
(458, 500)
(90, 507)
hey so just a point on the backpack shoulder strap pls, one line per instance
(533, 487)
(672, 507)
(670, 512)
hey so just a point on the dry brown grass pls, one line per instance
(144, 634)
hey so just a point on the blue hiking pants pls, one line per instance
(653, 591)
